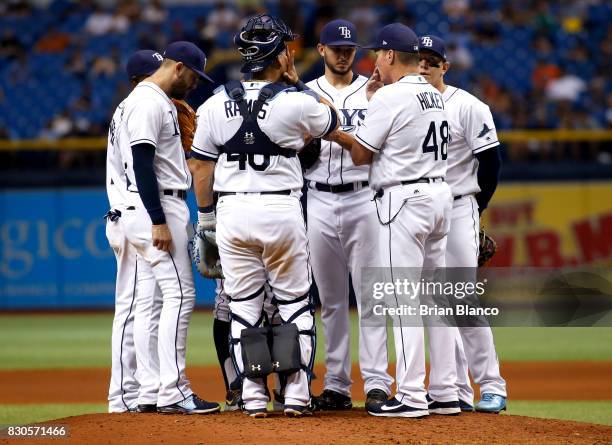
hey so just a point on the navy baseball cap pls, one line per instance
(143, 63)
(433, 44)
(398, 37)
(190, 55)
(339, 33)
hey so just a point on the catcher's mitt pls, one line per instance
(310, 153)
(186, 122)
(205, 254)
(486, 249)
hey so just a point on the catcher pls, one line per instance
(206, 258)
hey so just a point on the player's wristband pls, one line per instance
(301, 86)
(206, 209)
(206, 221)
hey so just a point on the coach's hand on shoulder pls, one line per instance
(374, 84)
(162, 238)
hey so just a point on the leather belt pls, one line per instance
(423, 180)
(340, 188)
(456, 198)
(275, 192)
(381, 192)
(182, 194)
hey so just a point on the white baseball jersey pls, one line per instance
(116, 186)
(335, 165)
(218, 119)
(406, 127)
(148, 116)
(472, 131)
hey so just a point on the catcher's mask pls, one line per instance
(261, 40)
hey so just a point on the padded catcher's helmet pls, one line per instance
(261, 40)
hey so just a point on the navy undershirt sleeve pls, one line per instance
(334, 121)
(146, 181)
(489, 166)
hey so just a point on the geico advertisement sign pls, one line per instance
(26, 242)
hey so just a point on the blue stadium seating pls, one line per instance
(48, 89)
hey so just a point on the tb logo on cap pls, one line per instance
(426, 41)
(345, 32)
(158, 56)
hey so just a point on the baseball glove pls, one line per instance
(310, 153)
(486, 249)
(186, 122)
(205, 254)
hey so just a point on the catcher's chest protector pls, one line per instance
(249, 139)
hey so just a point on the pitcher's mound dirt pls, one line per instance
(526, 381)
(355, 427)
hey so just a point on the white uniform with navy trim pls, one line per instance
(343, 238)
(406, 127)
(148, 116)
(397, 129)
(472, 131)
(262, 237)
(134, 361)
(284, 119)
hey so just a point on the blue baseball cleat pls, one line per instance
(465, 406)
(491, 403)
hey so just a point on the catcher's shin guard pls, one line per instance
(255, 349)
(303, 319)
(286, 351)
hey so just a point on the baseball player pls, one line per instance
(156, 218)
(343, 229)
(405, 137)
(248, 134)
(473, 171)
(134, 285)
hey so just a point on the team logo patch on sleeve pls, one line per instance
(485, 130)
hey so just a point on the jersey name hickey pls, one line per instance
(232, 110)
(430, 99)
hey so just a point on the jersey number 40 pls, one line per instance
(243, 158)
(430, 143)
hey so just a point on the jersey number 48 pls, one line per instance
(430, 144)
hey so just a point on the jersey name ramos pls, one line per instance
(335, 165)
(406, 127)
(284, 118)
(148, 116)
(472, 131)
